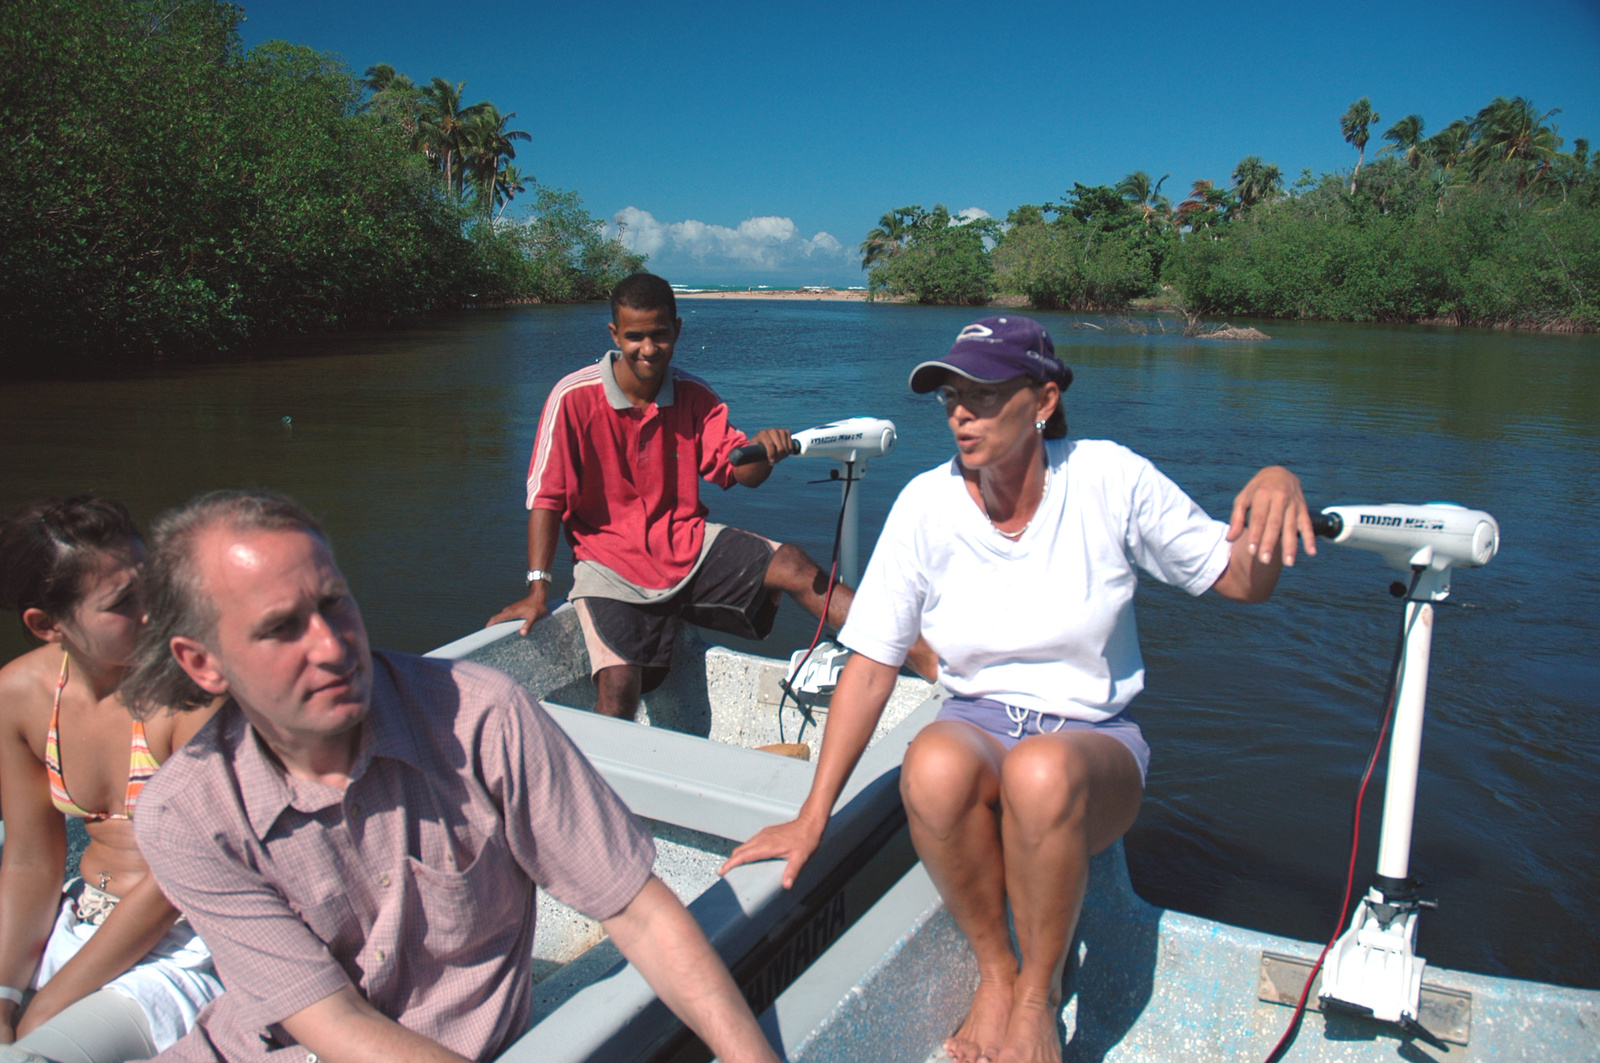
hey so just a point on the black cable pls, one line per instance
(833, 578)
(1287, 1040)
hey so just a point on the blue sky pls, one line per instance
(757, 143)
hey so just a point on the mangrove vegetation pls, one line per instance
(170, 191)
(1486, 222)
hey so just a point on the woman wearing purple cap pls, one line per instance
(1017, 562)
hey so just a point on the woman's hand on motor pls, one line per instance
(793, 841)
(1272, 509)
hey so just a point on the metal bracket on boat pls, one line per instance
(816, 671)
(1443, 1010)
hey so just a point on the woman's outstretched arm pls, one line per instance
(858, 701)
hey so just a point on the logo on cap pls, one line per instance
(975, 331)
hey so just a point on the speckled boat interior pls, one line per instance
(695, 774)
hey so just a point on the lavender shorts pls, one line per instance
(1010, 724)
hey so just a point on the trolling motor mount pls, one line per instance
(1373, 968)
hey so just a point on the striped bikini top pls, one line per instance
(141, 764)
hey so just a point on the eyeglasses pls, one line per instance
(981, 400)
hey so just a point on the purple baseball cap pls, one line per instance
(995, 349)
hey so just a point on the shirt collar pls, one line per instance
(614, 394)
(267, 789)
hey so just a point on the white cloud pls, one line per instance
(768, 243)
(971, 214)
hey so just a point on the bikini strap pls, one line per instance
(52, 755)
(142, 764)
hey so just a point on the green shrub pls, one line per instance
(1406, 247)
(947, 264)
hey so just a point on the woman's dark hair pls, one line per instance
(47, 548)
(177, 603)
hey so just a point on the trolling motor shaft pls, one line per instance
(1373, 969)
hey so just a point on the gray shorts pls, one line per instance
(1010, 724)
(726, 592)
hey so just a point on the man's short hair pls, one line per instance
(644, 291)
(176, 602)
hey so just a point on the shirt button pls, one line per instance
(382, 955)
(383, 880)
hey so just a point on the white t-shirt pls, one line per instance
(1044, 623)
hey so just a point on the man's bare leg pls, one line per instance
(618, 688)
(794, 573)
(950, 783)
(1063, 797)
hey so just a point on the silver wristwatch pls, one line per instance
(537, 574)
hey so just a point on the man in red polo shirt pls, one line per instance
(621, 450)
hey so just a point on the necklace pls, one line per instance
(1020, 532)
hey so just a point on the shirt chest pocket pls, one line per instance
(465, 913)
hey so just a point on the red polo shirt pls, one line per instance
(626, 479)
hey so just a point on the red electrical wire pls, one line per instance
(1287, 1039)
(1344, 907)
(827, 602)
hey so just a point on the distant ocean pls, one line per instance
(685, 288)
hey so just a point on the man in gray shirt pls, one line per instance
(358, 836)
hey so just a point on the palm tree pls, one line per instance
(380, 77)
(1354, 125)
(1513, 131)
(1155, 208)
(508, 182)
(893, 232)
(1445, 148)
(1207, 205)
(1256, 182)
(393, 96)
(441, 130)
(486, 143)
(1405, 139)
(883, 242)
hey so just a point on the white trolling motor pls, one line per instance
(850, 442)
(1373, 968)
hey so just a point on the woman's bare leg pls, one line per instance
(950, 783)
(1063, 798)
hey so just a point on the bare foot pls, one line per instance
(1031, 1034)
(982, 1032)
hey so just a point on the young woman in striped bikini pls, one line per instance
(102, 970)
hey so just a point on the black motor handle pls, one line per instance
(1327, 525)
(751, 453)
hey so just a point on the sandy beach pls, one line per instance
(838, 295)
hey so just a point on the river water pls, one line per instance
(413, 447)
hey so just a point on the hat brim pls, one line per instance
(926, 377)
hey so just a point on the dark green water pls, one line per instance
(413, 447)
